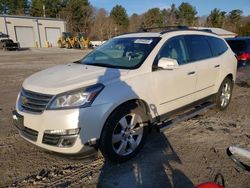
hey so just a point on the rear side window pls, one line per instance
(198, 47)
(217, 45)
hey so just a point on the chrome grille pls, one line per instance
(33, 102)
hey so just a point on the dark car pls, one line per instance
(241, 47)
(8, 44)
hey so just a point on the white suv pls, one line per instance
(110, 98)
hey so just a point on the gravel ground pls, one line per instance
(184, 156)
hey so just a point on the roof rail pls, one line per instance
(163, 28)
(167, 29)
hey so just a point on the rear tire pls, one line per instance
(124, 133)
(224, 94)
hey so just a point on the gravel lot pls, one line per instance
(185, 155)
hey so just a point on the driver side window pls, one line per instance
(175, 48)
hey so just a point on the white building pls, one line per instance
(32, 31)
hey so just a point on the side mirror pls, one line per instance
(168, 63)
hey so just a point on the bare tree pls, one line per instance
(134, 23)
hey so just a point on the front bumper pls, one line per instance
(33, 127)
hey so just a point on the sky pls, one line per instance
(203, 7)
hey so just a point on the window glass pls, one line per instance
(217, 45)
(124, 53)
(237, 45)
(175, 48)
(198, 47)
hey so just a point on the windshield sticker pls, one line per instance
(143, 41)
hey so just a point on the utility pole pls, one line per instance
(44, 11)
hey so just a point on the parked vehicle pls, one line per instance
(67, 40)
(3, 35)
(113, 96)
(8, 44)
(241, 47)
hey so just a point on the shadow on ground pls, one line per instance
(151, 168)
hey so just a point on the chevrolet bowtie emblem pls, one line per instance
(24, 100)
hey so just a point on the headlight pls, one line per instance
(77, 98)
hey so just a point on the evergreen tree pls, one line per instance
(186, 14)
(120, 17)
(79, 15)
(152, 18)
(37, 8)
(3, 7)
(14, 7)
(234, 18)
(216, 18)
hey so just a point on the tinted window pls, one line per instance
(175, 48)
(217, 45)
(198, 47)
(237, 45)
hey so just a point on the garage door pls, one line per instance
(52, 35)
(25, 36)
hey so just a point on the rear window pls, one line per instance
(199, 47)
(238, 45)
(217, 45)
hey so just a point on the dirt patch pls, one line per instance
(185, 155)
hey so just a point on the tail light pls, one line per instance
(243, 56)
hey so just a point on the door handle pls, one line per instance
(216, 66)
(191, 73)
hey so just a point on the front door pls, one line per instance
(174, 88)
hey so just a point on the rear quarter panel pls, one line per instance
(228, 66)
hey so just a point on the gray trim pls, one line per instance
(30, 17)
(6, 28)
(39, 36)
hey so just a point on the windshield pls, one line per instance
(124, 53)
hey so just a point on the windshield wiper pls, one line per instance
(103, 65)
(77, 62)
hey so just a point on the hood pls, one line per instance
(68, 77)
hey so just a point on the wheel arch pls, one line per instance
(220, 81)
(230, 76)
(140, 102)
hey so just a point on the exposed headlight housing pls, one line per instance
(78, 98)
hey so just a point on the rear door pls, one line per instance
(207, 67)
(174, 88)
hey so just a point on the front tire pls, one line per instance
(224, 94)
(124, 133)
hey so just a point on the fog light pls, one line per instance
(67, 141)
(64, 132)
